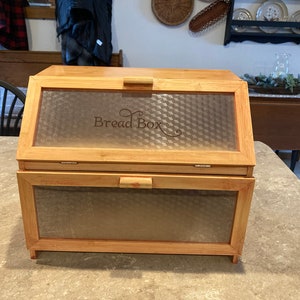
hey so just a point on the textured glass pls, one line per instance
(109, 213)
(136, 120)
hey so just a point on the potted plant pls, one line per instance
(283, 84)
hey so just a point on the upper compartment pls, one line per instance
(135, 116)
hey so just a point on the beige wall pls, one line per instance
(148, 43)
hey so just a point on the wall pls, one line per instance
(148, 43)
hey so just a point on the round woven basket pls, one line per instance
(172, 12)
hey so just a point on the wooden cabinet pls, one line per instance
(17, 66)
(275, 120)
(262, 31)
(136, 160)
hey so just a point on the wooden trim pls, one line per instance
(156, 247)
(30, 222)
(39, 12)
(158, 181)
(142, 168)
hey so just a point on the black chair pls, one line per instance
(294, 159)
(12, 101)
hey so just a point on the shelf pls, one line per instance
(252, 31)
(265, 24)
(261, 37)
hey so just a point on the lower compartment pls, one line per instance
(97, 212)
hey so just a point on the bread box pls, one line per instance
(136, 160)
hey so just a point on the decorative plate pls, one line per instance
(172, 12)
(295, 17)
(241, 14)
(272, 10)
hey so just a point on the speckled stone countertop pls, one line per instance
(268, 269)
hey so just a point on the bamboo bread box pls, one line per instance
(136, 160)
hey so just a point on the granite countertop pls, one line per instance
(268, 269)
(281, 96)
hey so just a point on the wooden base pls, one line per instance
(143, 247)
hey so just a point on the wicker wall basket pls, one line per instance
(172, 12)
(210, 15)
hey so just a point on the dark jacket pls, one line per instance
(85, 30)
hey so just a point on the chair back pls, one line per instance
(12, 101)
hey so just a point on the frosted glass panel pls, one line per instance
(107, 213)
(136, 121)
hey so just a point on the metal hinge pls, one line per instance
(202, 166)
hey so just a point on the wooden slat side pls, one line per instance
(28, 210)
(241, 216)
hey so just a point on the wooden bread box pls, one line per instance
(136, 160)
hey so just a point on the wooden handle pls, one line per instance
(138, 80)
(136, 182)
